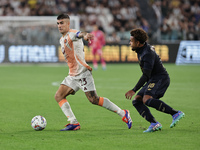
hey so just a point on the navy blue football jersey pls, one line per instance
(148, 59)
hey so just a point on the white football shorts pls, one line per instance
(84, 81)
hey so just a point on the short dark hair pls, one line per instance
(63, 16)
(140, 35)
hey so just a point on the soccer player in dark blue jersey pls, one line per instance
(153, 82)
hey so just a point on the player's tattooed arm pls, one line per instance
(92, 97)
(86, 36)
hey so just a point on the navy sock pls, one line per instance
(160, 106)
(143, 111)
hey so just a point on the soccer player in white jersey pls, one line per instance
(80, 76)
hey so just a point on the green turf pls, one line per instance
(27, 90)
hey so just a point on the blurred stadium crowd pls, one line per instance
(173, 20)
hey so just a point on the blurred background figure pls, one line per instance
(96, 46)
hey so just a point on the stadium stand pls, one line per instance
(164, 20)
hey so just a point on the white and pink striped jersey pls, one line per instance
(73, 50)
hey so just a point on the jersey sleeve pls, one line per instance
(74, 34)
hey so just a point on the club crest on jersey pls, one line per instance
(65, 41)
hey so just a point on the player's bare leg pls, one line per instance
(106, 103)
(62, 92)
(60, 97)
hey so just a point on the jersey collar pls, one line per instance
(139, 49)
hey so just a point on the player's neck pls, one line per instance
(63, 34)
(139, 48)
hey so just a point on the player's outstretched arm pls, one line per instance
(86, 36)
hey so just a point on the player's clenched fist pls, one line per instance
(88, 37)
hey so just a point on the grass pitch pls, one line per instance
(28, 90)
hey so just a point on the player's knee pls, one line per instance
(145, 98)
(58, 97)
(136, 102)
(144, 101)
(138, 98)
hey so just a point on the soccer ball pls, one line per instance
(38, 123)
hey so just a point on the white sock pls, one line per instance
(106, 103)
(64, 105)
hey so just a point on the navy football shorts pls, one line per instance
(155, 88)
